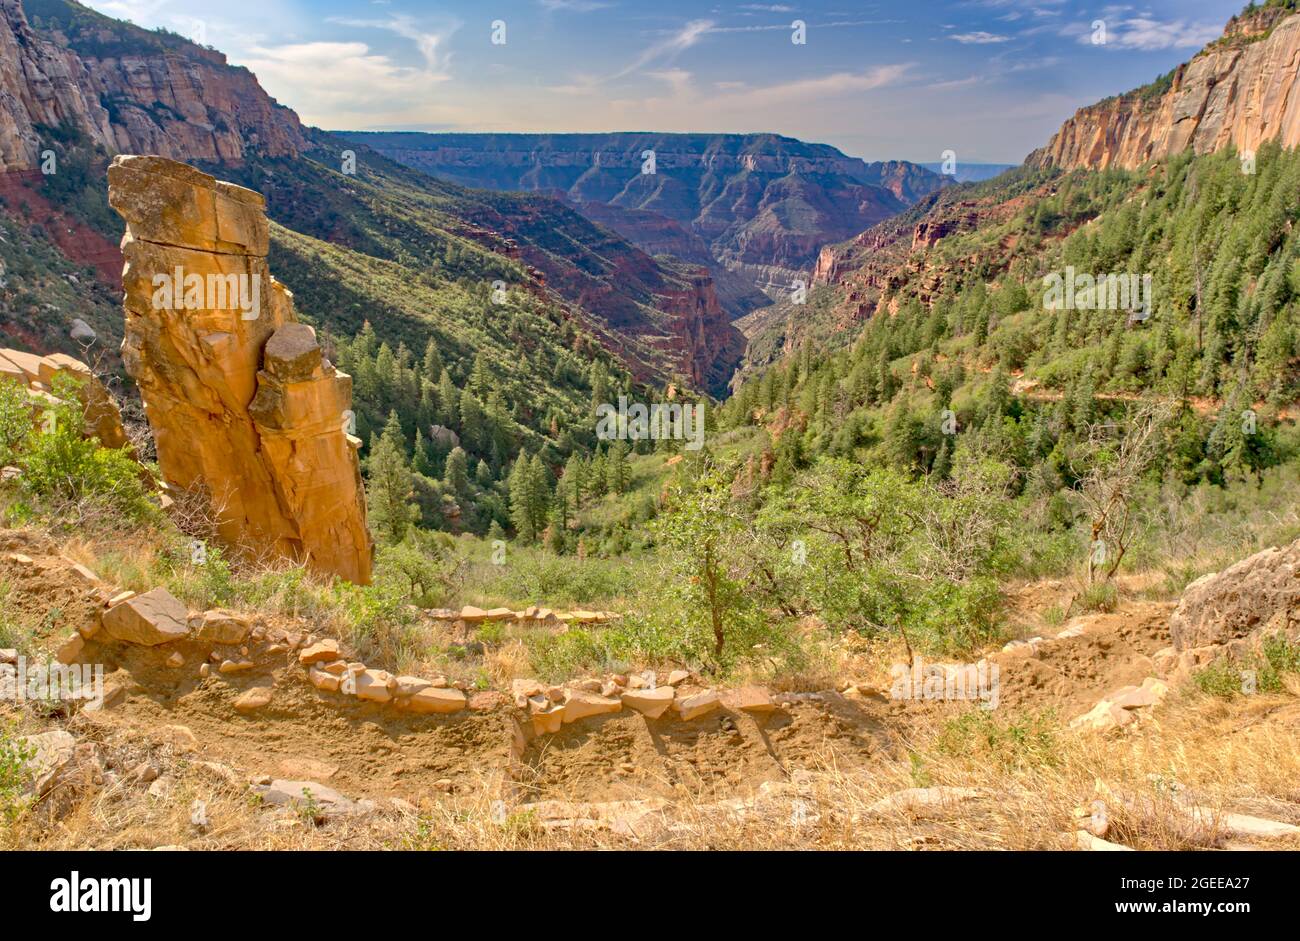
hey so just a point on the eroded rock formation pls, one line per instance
(1240, 90)
(243, 406)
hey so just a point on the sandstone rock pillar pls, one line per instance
(242, 405)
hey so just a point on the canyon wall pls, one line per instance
(1239, 91)
(243, 407)
(760, 206)
(129, 91)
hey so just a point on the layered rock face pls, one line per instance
(242, 404)
(1239, 91)
(130, 91)
(40, 83)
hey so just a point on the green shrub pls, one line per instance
(1228, 677)
(14, 757)
(61, 467)
(980, 736)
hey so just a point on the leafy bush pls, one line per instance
(62, 469)
(14, 757)
(1228, 677)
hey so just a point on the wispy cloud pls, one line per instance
(426, 41)
(979, 38)
(572, 6)
(668, 48)
(1149, 34)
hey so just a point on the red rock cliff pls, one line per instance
(1240, 90)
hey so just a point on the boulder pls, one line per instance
(256, 698)
(52, 753)
(322, 651)
(154, 618)
(303, 794)
(322, 680)
(410, 685)
(1088, 841)
(221, 627)
(1242, 600)
(692, 707)
(375, 686)
(752, 699)
(1104, 715)
(70, 650)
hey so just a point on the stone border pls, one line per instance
(157, 618)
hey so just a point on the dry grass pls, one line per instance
(1236, 755)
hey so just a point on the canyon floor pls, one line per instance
(170, 761)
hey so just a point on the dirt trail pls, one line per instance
(366, 750)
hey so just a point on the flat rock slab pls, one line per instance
(286, 793)
(154, 618)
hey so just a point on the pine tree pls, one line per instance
(616, 468)
(456, 473)
(432, 366)
(449, 399)
(389, 496)
(473, 424)
(574, 482)
(519, 485)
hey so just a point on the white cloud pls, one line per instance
(342, 84)
(979, 38)
(1147, 34)
(572, 6)
(668, 48)
(426, 42)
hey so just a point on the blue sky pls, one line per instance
(988, 79)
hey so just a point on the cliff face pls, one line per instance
(1239, 91)
(243, 407)
(129, 91)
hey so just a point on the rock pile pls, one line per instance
(1120, 708)
(244, 407)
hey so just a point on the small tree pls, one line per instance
(1116, 458)
(389, 494)
(703, 537)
